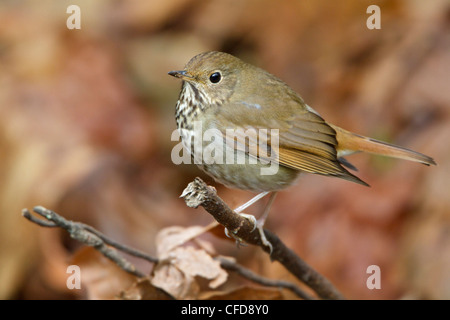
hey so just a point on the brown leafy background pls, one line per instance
(86, 117)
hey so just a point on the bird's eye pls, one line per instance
(215, 77)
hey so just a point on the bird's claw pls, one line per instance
(250, 218)
(232, 235)
(256, 225)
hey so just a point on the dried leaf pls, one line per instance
(172, 237)
(195, 262)
(175, 282)
(180, 267)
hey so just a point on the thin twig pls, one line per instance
(250, 275)
(78, 231)
(120, 246)
(198, 193)
(92, 237)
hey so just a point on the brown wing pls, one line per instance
(305, 142)
(309, 144)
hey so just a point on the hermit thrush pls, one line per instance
(222, 92)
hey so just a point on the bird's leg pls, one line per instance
(250, 217)
(258, 224)
(265, 214)
(251, 201)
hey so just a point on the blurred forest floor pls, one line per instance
(86, 118)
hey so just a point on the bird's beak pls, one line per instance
(181, 74)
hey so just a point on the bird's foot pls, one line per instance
(257, 225)
(260, 226)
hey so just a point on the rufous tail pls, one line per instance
(349, 142)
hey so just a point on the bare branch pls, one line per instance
(78, 231)
(120, 246)
(198, 193)
(250, 275)
(92, 237)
